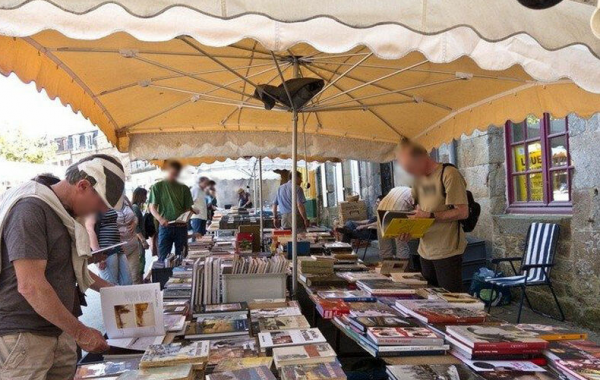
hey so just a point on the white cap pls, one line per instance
(108, 173)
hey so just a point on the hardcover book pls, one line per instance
(307, 354)
(283, 323)
(256, 373)
(551, 333)
(362, 323)
(275, 312)
(347, 295)
(371, 309)
(440, 312)
(224, 309)
(582, 369)
(496, 337)
(385, 287)
(267, 303)
(331, 371)
(519, 375)
(161, 355)
(409, 278)
(396, 223)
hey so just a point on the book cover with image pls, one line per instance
(232, 348)
(283, 323)
(552, 333)
(362, 323)
(256, 373)
(496, 337)
(275, 312)
(290, 338)
(371, 309)
(208, 328)
(243, 363)
(431, 372)
(410, 336)
(307, 354)
(318, 371)
(442, 312)
(105, 369)
(179, 372)
(160, 355)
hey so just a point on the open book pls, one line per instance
(183, 218)
(395, 223)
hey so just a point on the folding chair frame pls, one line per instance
(525, 268)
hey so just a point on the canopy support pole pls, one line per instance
(260, 200)
(295, 205)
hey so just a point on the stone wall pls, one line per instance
(576, 277)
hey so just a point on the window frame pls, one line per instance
(547, 205)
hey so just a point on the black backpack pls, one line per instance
(468, 224)
(149, 227)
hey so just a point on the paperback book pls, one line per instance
(232, 348)
(331, 371)
(164, 355)
(385, 287)
(307, 354)
(283, 323)
(347, 295)
(409, 278)
(431, 372)
(218, 327)
(105, 369)
(500, 337)
(275, 312)
(228, 365)
(440, 312)
(179, 372)
(552, 333)
(268, 340)
(223, 309)
(256, 373)
(371, 309)
(407, 336)
(363, 323)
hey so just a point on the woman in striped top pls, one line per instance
(104, 232)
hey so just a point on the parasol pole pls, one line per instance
(295, 204)
(260, 200)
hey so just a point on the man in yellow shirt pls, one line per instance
(440, 192)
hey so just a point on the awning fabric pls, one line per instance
(164, 79)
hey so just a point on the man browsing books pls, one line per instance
(283, 204)
(198, 220)
(168, 200)
(44, 257)
(443, 198)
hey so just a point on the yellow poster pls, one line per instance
(535, 162)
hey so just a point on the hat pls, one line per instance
(240, 191)
(108, 173)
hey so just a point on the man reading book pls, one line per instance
(440, 192)
(45, 251)
(169, 199)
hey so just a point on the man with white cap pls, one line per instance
(44, 257)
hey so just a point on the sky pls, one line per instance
(21, 105)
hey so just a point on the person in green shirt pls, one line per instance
(168, 200)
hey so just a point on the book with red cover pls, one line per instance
(243, 242)
(507, 338)
(331, 308)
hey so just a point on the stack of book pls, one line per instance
(440, 312)
(282, 323)
(577, 359)
(313, 266)
(329, 308)
(232, 348)
(311, 361)
(433, 372)
(347, 295)
(269, 340)
(415, 280)
(386, 288)
(250, 265)
(211, 281)
(494, 342)
(320, 280)
(353, 277)
(232, 309)
(456, 299)
(217, 327)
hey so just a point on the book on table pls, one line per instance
(576, 359)
(307, 354)
(232, 348)
(222, 310)
(217, 327)
(404, 336)
(409, 278)
(500, 337)
(552, 333)
(165, 355)
(431, 372)
(385, 287)
(275, 312)
(395, 223)
(267, 303)
(179, 372)
(520, 375)
(318, 371)
(292, 322)
(268, 340)
(363, 323)
(106, 368)
(440, 312)
(347, 295)
(255, 373)
(228, 365)
(371, 309)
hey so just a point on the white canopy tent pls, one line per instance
(176, 78)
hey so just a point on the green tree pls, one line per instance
(16, 146)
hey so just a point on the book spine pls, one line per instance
(359, 299)
(509, 347)
(408, 341)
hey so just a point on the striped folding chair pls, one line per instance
(536, 263)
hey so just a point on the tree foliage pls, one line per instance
(18, 147)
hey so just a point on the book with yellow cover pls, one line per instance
(396, 223)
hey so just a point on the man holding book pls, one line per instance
(169, 199)
(44, 268)
(440, 193)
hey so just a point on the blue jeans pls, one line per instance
(167, 236)
(198, 226)
(117, 270)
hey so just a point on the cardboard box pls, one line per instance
(352, 211)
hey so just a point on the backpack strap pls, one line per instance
(442, 177)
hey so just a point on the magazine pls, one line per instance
(162, 355)
(132, 311)
(307, 354)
